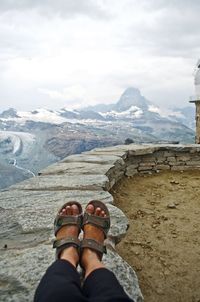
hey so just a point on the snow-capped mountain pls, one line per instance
(29, 141)
(131, 106)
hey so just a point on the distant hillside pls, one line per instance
(10, 175)
(34, 140)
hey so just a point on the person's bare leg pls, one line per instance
(70, 253)
(90, 259)
(100, 283)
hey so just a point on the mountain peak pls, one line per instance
(11, 112)
(131, 97)
(131, 91)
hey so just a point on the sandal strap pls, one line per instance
(94, 245)
(62, 220)
(100, 222)
(61, 244)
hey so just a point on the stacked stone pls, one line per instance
(172, 158)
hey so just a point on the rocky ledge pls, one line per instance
(27, 210)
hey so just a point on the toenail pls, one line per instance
(75, 207)
(90, 207)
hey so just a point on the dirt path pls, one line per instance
(163, 241)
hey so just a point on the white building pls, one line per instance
(196, 100)
(197, 81)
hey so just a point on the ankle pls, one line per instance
(90, 262)
(89, 259)
(71, 255)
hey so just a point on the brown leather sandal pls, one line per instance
(101, 222)
(62, 220)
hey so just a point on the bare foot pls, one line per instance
(70, 253)
(90, 259)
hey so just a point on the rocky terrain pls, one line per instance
(27, 209)
(31, 141)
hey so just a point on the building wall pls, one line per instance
(197, 81)
(197, 139)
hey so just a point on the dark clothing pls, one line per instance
(61, 283)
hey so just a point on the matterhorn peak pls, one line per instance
(131, 91)
(131, 97)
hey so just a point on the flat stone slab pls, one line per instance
(64, 182)
(17, 222)
(151, 148)
(13, 199)
(98, 159)
(118, 148)
(21, 274)
(118, 153)
(124, 273)
(76, 168)
(19, 286)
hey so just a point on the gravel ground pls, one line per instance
(163, 241)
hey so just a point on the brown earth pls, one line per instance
(163, 241)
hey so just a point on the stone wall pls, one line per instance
(149, 159)
(174, 160)
(27, 210)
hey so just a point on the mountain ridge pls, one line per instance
(43, 136)
(131, 105)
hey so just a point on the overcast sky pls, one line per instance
(69, 53)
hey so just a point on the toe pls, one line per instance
(102, 214)
(98, 211)
(68, 210)
(75, 209)
(90, 209)
(63, 211)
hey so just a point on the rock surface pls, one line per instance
(27, 210)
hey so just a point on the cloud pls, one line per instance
(90, 51)
(70, 95)
(165, 28)
(65, 8)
